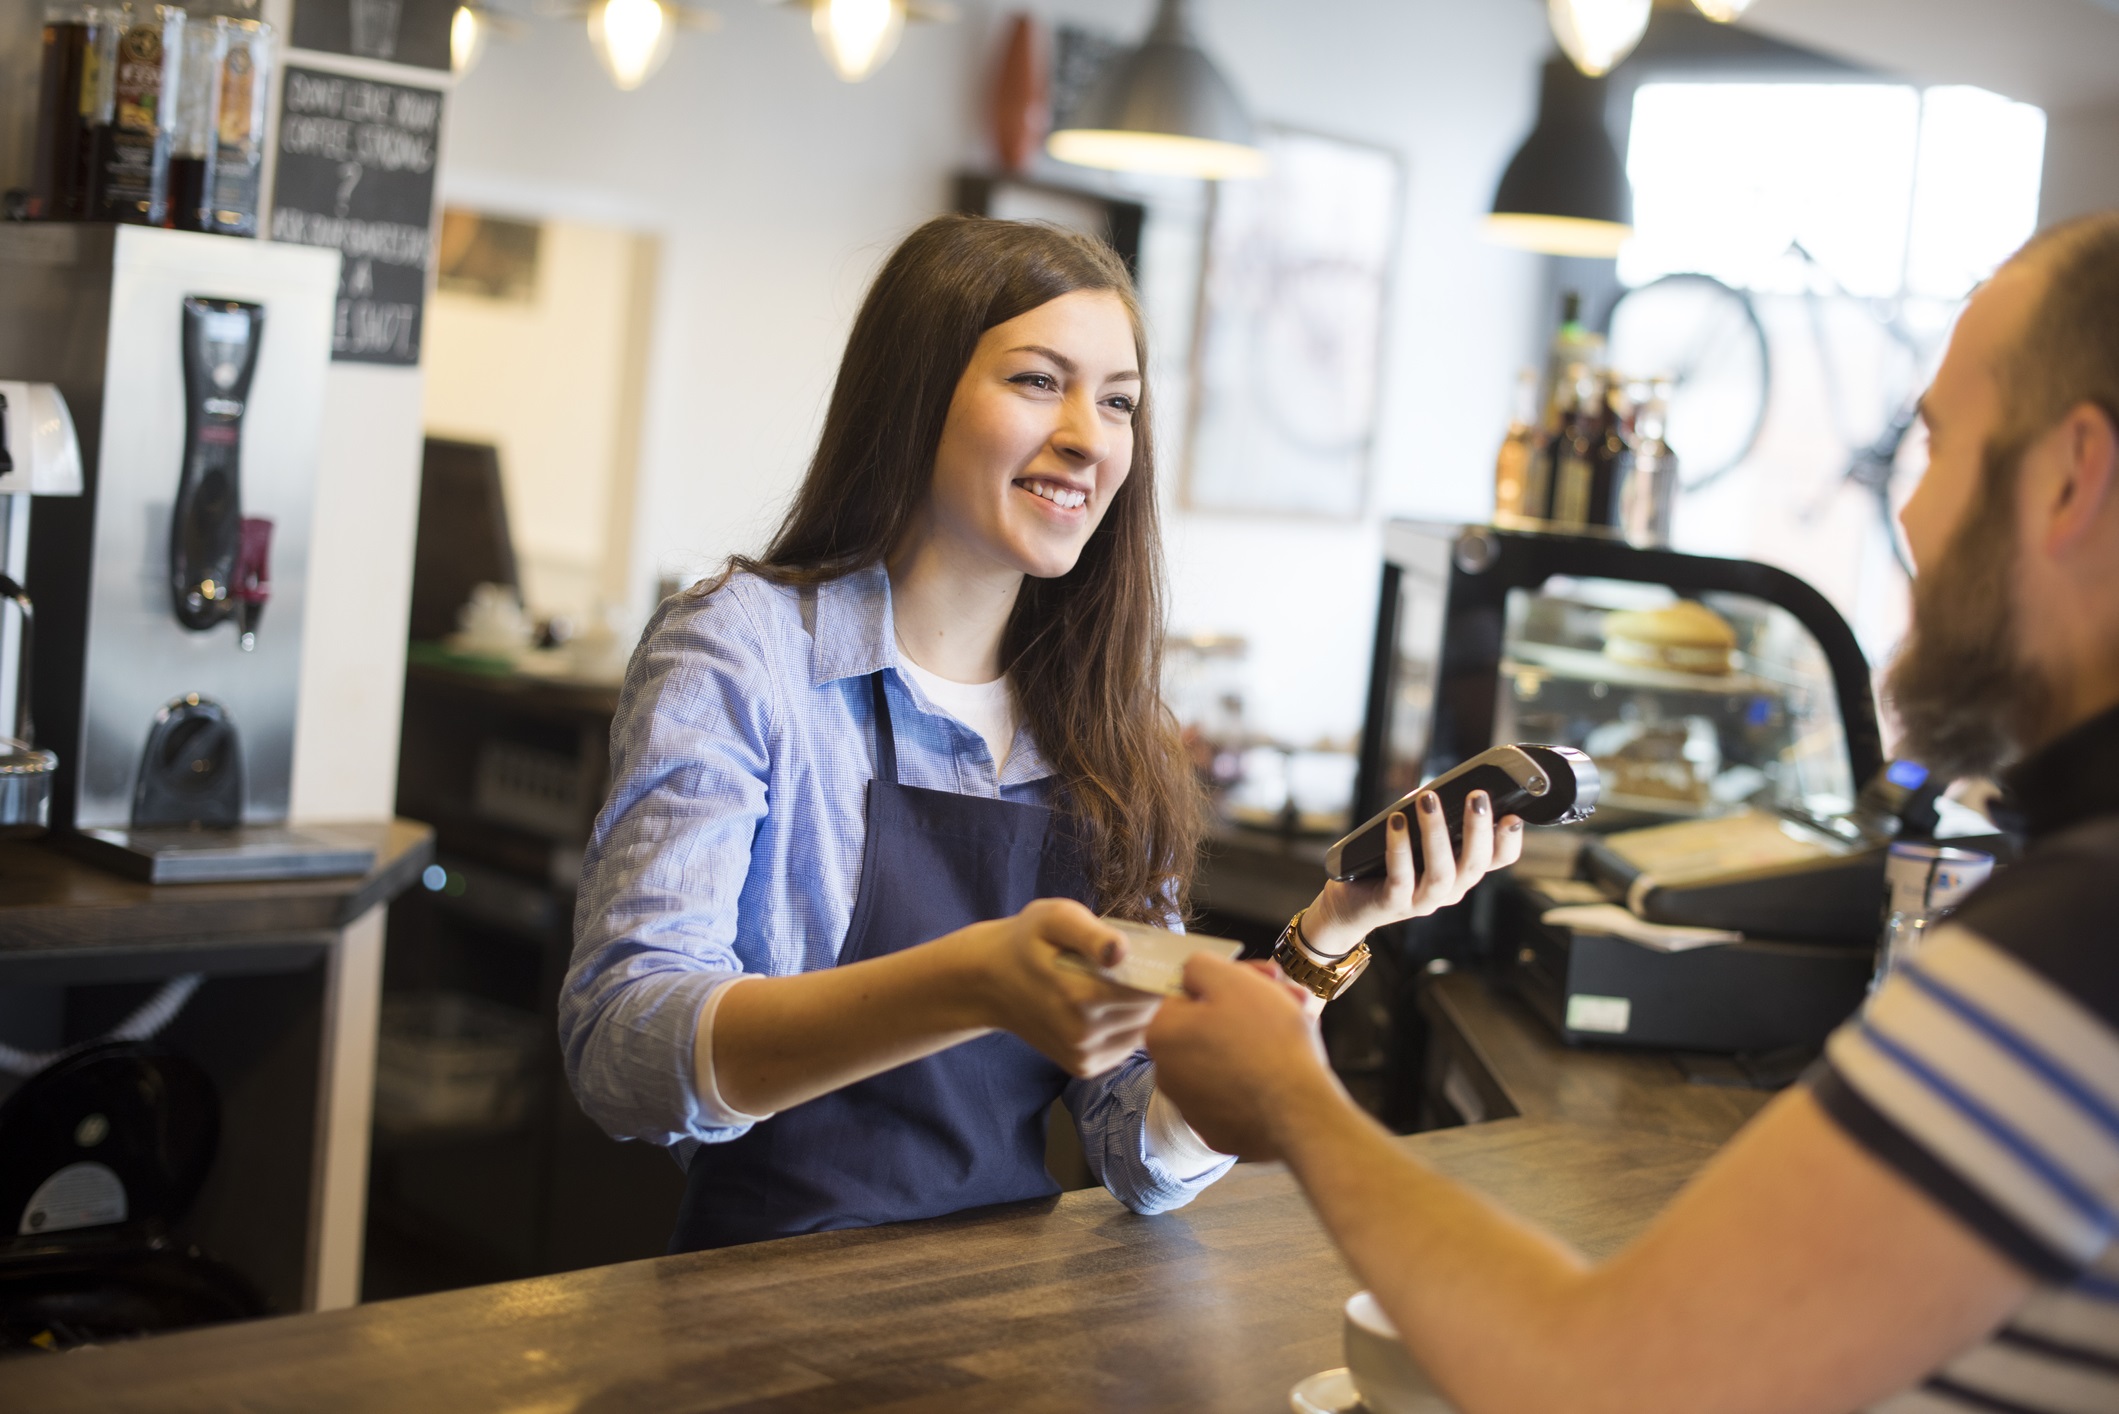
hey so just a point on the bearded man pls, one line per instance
(1930, 1221)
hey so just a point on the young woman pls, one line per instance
(868, 788)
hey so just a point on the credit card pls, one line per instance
(1155, 958)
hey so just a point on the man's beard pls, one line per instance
(1965, 698)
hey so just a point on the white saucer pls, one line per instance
(1326, 1392)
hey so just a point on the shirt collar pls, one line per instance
(855, 635)
(2069, 780)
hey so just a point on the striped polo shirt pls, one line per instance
(1986, 1071)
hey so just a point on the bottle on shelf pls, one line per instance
(1519, 453)
(1572, 344)
(140, 64)
(68, 83)
(1648, 480)
(193, 113)
(1577, 448)
(245, 81)
(1607, 456)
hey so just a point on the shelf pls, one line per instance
(1581, 665)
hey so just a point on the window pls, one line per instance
(1892, 191)
(1856, 217)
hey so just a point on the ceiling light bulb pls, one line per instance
(1722, 11)
(857, 35)
(1597, 34)
(632, 38)
(467, 39)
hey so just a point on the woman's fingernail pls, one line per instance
(1480, 804)
(1515, 827)
(1397, 820)
(1429, 804)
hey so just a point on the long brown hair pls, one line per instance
(1085, 649)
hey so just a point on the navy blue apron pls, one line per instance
(960, 1129)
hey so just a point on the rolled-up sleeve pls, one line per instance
(1111, 1114)
(655, 918)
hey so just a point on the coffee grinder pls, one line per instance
(195, 366)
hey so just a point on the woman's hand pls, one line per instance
(1083, 1024)
(1344, 914)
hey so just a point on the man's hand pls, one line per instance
(1236, 1052)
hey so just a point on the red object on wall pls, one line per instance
(1022, 95)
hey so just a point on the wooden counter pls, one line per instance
(1513, 1064)
(1069, 1304)
(61, 914)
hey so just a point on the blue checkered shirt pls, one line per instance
(731, 846)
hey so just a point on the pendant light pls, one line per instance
(1722, 12)
(467, 39)
(631, 38)
(1597, 34)
(857, 36)
(1565, 192)
(1166, 109)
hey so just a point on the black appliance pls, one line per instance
(1541, 785)
(101, 1155)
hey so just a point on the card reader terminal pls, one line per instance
(1544, 785)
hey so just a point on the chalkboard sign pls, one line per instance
(401, 31)
(356, 173)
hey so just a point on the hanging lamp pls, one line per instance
(858, 36)
(467, 39)
(1565, 192)
(1598, 34)
(1166, 109)
(631, 38)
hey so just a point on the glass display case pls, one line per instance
(1699, 686)
(1689, 707)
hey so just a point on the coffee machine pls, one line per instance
(195, 366)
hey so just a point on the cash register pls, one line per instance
(1726, 895)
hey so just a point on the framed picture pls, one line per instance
(489, 256)
(1287, 357)
(1116, 223)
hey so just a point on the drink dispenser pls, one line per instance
(196, 367)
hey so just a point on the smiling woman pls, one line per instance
(882, 775)
(870, 788)
(993, 374)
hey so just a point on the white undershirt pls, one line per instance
(988, 708)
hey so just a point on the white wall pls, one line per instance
(2081, 163)
(360, 595)
(777, 190)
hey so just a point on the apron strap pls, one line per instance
(886, 736)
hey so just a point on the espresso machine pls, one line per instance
(171, 592)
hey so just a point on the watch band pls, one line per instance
(1325, 978)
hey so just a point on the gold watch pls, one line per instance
(1325, 977)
